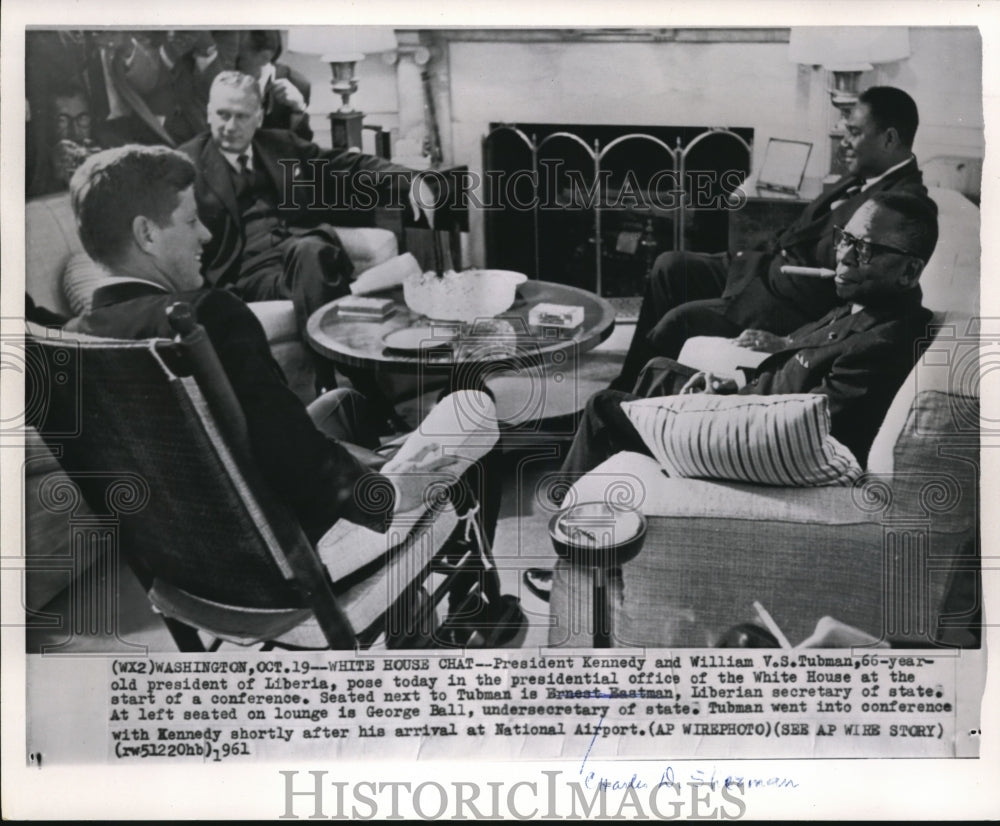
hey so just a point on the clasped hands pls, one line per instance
(707, 382)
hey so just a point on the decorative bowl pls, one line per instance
(462, 296)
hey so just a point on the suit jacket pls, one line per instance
(314, 475)
(150, 90)
(280, 116)
(763, 293)
(857, 360)
(314, 186)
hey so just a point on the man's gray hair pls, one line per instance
(240, 81)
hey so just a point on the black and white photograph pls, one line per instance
(412, 414)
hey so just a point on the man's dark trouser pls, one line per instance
(606, 429)
(308, 268)
(677, 278)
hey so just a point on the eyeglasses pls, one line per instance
(81, 122)
(865, 249)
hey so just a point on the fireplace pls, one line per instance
(593, 205)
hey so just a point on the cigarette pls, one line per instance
(772, 626)
(815, 272)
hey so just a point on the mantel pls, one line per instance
(605, 35)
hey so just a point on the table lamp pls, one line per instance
(343, 47)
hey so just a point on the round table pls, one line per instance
(360, 343)
(532, 372)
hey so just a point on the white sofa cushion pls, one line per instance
(771, 440)
(633, 480)
(50, 239)
(81, 277)
(949, 365)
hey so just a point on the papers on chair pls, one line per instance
(462, 424)
(720, 356)
(832, 633)
(374, 567)
(386, 275)
(370, 570)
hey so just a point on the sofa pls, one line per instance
(60, 277)
(876, 558)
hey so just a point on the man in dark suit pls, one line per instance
(690, 294)
(858, 355)
(266, 198)
(150, 87)
(137, 215)
(285, 91)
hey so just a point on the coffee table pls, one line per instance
(360, 343)
(536, 366)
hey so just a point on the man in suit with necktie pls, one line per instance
(268, 199)
(691, 294)
(858, 355)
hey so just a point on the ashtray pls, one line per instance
(598, 534)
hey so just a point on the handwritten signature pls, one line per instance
(668, 777)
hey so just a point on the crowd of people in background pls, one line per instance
(93, 90)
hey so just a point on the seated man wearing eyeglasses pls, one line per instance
(691, 294)
(857, 355)
(74, 140)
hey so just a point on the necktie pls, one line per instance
(840, 312)
(852, 189)
(244, 178)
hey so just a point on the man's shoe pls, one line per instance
(539, 582)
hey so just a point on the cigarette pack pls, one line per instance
(364, 307)
(560, 316)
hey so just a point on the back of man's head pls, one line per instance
(917, 220)
(263, 40)
(112, 188)
(892, 108)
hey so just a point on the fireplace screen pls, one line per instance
(592, 206)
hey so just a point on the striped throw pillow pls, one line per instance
(770, 440)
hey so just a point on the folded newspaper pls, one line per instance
(386, 275)
(720, 356)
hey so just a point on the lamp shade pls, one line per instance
(848, 48)
(341, 43)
